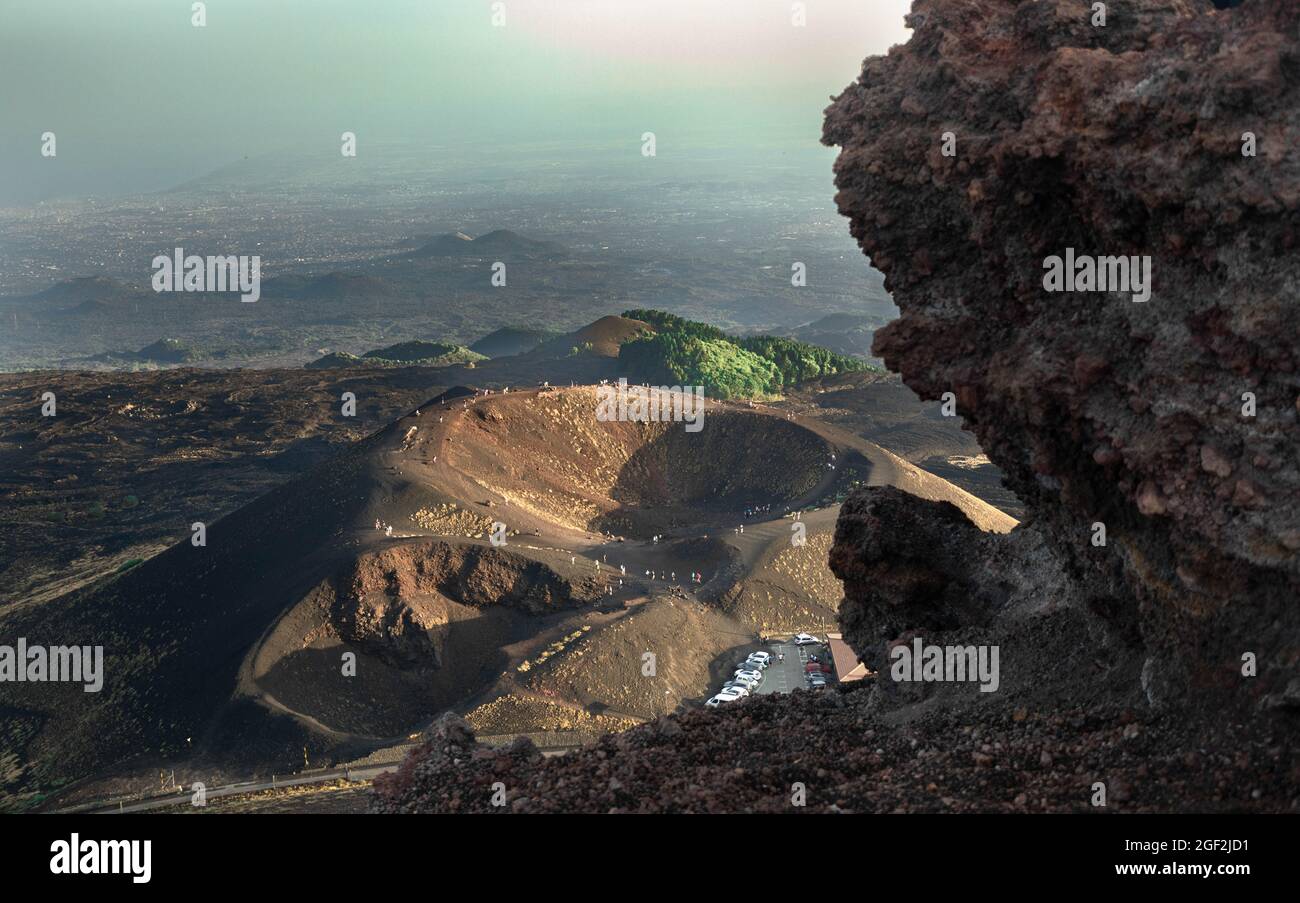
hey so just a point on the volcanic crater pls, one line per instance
(488, 547)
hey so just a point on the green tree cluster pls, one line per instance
(685, 352)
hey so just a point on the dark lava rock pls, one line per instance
(1125, 139)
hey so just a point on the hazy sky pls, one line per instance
(141, 99)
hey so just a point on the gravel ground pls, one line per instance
(752, 757)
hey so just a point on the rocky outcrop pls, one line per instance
(395, 603)
(469, 574)
(452, 772)
(1003, 134)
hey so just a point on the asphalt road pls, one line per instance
(183, 797)
(782, 676)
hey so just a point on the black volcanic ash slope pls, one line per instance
(176, 629)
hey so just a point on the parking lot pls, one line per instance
(782, 676)
(787, 669)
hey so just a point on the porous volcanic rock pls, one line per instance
(831, 752)
(1122, 139)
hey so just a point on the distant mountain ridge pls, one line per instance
(511, 340)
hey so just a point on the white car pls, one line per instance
(755, 676)
(732, 693)
(805, 639)
(714, 701)
(764, 657)
(753, 664)
(735, 686)
(748, 683)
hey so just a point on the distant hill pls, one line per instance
(453, 243)
(169, 351)
(725, 369)
(686, 352)
(511, 340)
(84, 295)
(602, 338)
(163, 351)
(499, 243)
(403, 354)
(409, 352)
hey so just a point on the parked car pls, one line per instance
(714, 701)
(730, 693)
(755, 676)
(812, 668)
(806, 639)
(735, 686)
(765, 657)
(753, 664)
(745, 682)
